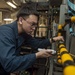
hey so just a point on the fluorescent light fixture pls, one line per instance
(11, 4)
(14, 2)
(8, 19)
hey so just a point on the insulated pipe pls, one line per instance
(64, 54)
(64, 1)
(69, 70)
(59, 34)
(59, 30)
(71, 19)
(67, 61)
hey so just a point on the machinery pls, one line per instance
(56, 18)
(59, 21)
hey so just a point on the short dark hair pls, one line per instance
(26, 11)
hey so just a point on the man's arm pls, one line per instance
(8, 58)
(36, 43)
(43, 43)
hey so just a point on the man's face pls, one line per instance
(29, 24)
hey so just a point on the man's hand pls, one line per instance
(58, 38)
(43, 54)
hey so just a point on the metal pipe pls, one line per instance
(64, 1)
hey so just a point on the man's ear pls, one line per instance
(20, 20)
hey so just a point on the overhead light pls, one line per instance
(14, 2)
(11, 4)
(8, 19)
